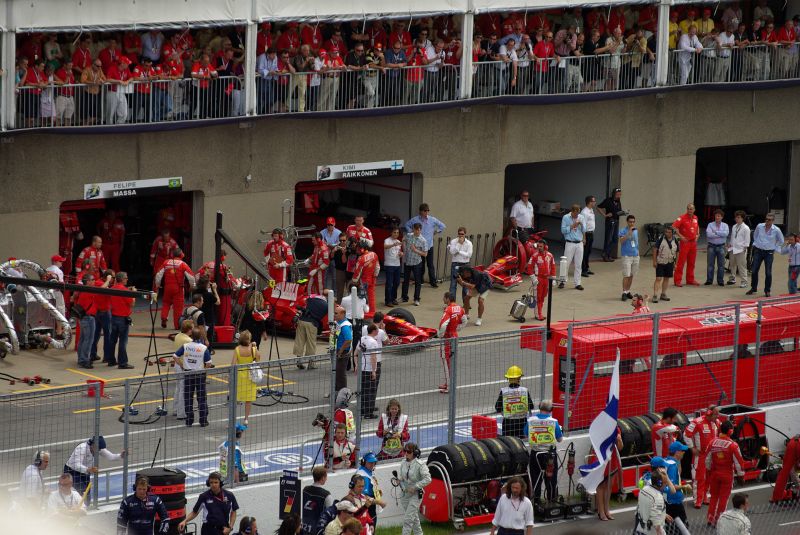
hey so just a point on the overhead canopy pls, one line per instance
(300, 10)
(488, 6)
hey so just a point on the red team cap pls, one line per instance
(57, 258)
(330, 220)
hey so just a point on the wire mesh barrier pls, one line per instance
(728, 354)
(710, 63)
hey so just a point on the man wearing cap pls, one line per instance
(279, 256)
(330, 235)
(82, 464)
(371, 487)
(119, 76)
(345, 510)
(674, 496)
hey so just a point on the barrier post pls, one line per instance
(567, 374)
(332, 356)
(232, 404)
(96, 476)
(451, 409)
(737, 310)
(360, 390)
(651, 404)
(125, 437)
(543, 365)
(757, 356)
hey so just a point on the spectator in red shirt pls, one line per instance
(311, 35)
(508, 24)
(264, 38)
(400, 34)
(544, 51)
(787, 57)
(336, 42)
(285, 71)
(82, 57)
(289, 40)
(144, 74)
(119, 76)
(109, 55)
(490, 23)
(538, 21)
(377, 34)
(334, 65)
(204, 73)
(414, 76)
(617, 19)
(32, 81)
(121, 311)
(85, 302)
(32, 48)
(648, 18)
(172, 70)
(132, 46)
(452, 61)
(65, 99)
(596, 20)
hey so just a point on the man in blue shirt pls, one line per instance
(430, 226)
(629, 238)
(573, 227)
(717, 233)
(792, 249)
(767, 239)
(344, 339)
(674, 497)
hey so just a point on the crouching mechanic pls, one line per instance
(220, 507)
(413, 478)
(514, 402)
(453, 319)
(137, 512)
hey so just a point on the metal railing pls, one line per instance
(751, 63)
(130, 102)
(739, 362)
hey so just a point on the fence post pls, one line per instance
(232, 405)
(451, 409)
(358, 415)
(96, 477)
(654, 364)
(467, 29)
(543, 364)
(125, 436)
(757, 356)
(567, 375)
(737, 310)
(332, 398)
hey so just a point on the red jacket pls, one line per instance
(320, 258)
(359, 234)
(162, 250)
(724, 457)
(367, 267)
(662, 436)
(97, 259)
(687, 226)
(277, 252)
(451, 320)
(173, 273)
(544, 264)
(701, 432)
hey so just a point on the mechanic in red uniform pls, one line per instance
(172, 274)
(543, 267)
(224, 287)
(94, 254)
(68, 230)
(699, 434)
(663, 432)
(318, 264)
(279, 256)
(453, 318)
(161, 251)
(366, 273)
(724, 459)
(112, 230)
(687, 231)
(356, 233)
(791, 458)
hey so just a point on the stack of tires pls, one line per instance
(169, 484)
(489, 458)
(636, 437)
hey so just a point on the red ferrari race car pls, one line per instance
(511, 260)
(283, 302)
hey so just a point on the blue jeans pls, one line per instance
(431, 267)
(794, 273)
(759, 256)
(102, 324)
(119, 339)
(610, 240)
(85, 341)
(392, 283)
(330, 278)
(716, 253)
(453, 283)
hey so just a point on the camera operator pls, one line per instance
(121, 310)
(413, 477)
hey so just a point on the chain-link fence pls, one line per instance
(687, 359)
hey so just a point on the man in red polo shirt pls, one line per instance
(203, 72)
(65, 99)
(144, 73)
(109, 55)
(311, 35)
(121, 310)
(289, 40)
(94, 254)
(85, 302)
(687, 231)
(82, 57)
(264, 38)
(119, 76)
(102, 317)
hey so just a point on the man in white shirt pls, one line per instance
(392, 253)
(354, 313)
(368, 350)
(434, 59)
(81, 464)
(508, 65)
(381, 337)
(690, 47)
(725, 45)
(588, 218)
(522, 211)
(738, 245)
(460, 249)
(514, 513)
(31, 484)
(65, 500)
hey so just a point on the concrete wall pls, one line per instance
(461, 154)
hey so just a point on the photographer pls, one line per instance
(393, 431)
(121, 310)
(339, 259)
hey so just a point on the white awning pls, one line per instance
(531, 6)
(308, 10)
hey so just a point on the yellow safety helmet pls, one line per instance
(514, 372)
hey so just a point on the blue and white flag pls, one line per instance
(603, 434)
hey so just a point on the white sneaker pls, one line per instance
(416, 303)
(743, 285)
(478, 322)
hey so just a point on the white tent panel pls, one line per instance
(90, 14)
(489, 6)
(297, 10)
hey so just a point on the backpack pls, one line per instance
(190, 313)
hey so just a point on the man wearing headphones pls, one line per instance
(137, 512)
(651, 510)
(81, 465)
(371, 488)
(413, 478)
(31, 484)
(219, 508)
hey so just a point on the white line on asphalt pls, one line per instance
(789, 523)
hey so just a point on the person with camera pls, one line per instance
(664, 255)
(629, 236)
(343, 452)
(651, 509)
(137, 512)
(310, 322)
(611, 210)
(121, 311)
(220, 508)
(412, 478)
(194, 358)
(372, 489)
(393, 431)
(514, 513)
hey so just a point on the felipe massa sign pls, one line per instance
(360, 170)
(132, 188)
